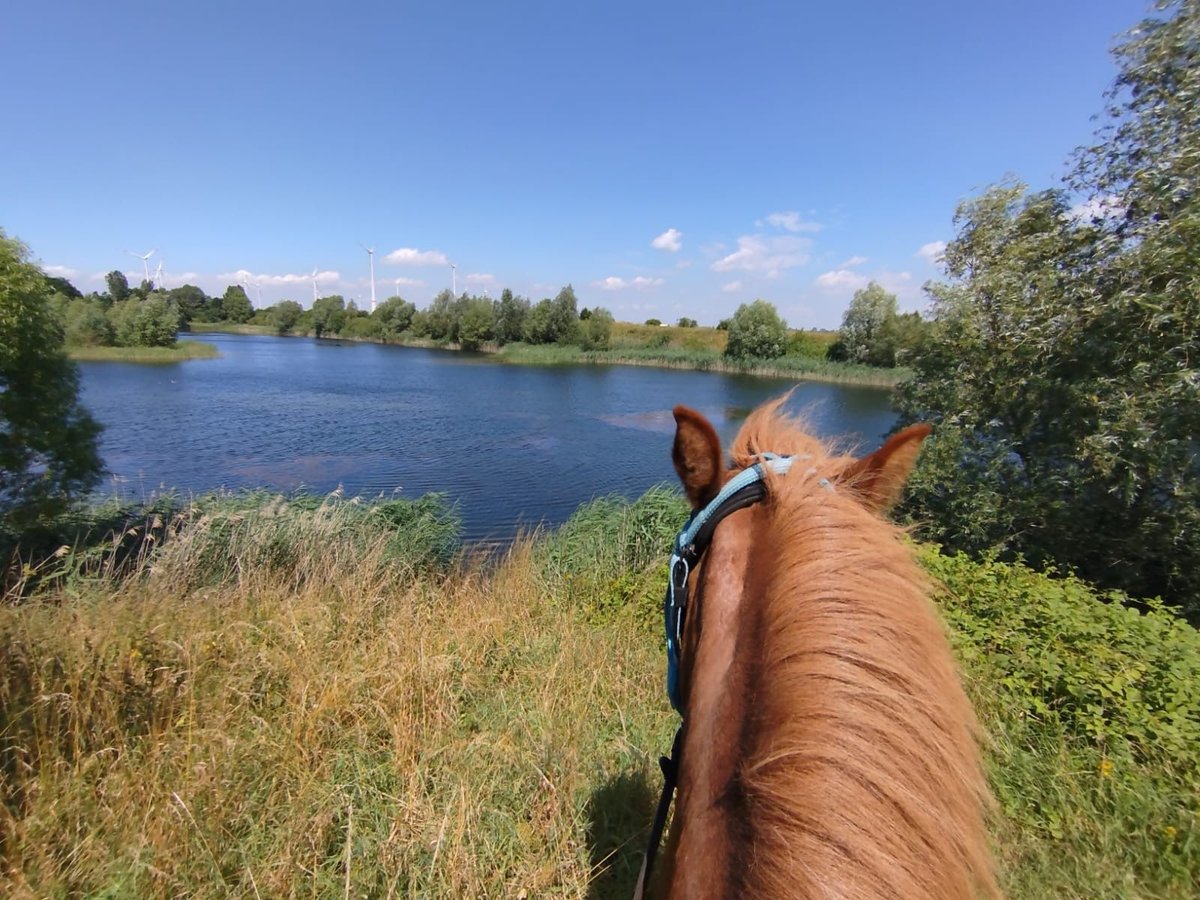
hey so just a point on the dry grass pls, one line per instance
(459, 736)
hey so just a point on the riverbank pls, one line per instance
(183, 350)
(664, 347)
(273, 696)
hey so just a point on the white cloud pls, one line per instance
(769, 255)
(483, 278)
(59, 271)
(408, 256)
(842, 279)
(406, 282)
(613, 283)
(670, 240)
(267, 280)
(732, 287)
(932, 252)
(846, 280)
(852, 262)
(789, 221)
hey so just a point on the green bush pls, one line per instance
(756, 331)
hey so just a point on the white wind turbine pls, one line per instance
(158, 278)
(314, 280)
(454, 279)
(371, 257)
(145, 258)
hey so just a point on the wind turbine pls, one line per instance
(314, 278)
(371, 257)
(454, 279)
(145, 258)
(158, 279)
(398, 280)
(258, 294)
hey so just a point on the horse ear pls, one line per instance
(880, 477)
(697, 456)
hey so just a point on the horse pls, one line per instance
(827, 748)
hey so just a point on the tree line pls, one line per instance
(466, 320)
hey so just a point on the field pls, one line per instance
(264, 697)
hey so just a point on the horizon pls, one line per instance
(666, 162)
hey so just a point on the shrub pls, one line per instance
(756, 331)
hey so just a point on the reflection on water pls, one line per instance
(510, 444)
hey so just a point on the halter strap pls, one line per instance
(743, 490)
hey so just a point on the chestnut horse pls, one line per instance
(827, 747)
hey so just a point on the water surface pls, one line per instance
(510, 444)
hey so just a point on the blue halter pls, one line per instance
(744, 489)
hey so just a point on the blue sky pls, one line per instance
(666, 158)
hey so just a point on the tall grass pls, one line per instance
(792, 366)
(283, 701)
(183, 350)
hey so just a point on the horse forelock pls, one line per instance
(860, 773)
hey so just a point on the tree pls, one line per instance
(284, 315)
(756, 331)
(441, 317)
(868, 327)
(539, 323)
(236, 305)
(476, 324)
(564, 318)
(596, 330)
(86, 324)
(1062, 363)
(510, 317)
(395, 316)
(653, 323)
(153, 322)
(48, 442)
(118, 286)
(328, 315)
(685, 322)
(191, 300)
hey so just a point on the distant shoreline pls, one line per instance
(798, 367)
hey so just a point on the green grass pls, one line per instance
(791, 366)
(231, 328)
(264, 696)
(183, 350)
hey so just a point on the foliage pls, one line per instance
(1062, 367)
(48, 442)
(757, 331)
(284, 315)
(328, 315)
(873, 331)
(611, 555)
(477, 323)
(152, 322)
(595, 332)
(193, 303)
(511, 312)
(235, 305)
(1093, 709)
(118, 286)
(653, 323)
(685, 322)
(86, 324)
(395, 316)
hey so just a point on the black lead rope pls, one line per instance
(670, 770)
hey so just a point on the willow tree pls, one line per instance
(1063, 363)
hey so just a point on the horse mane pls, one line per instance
(860, 773)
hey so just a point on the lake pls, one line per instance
(512, 445)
